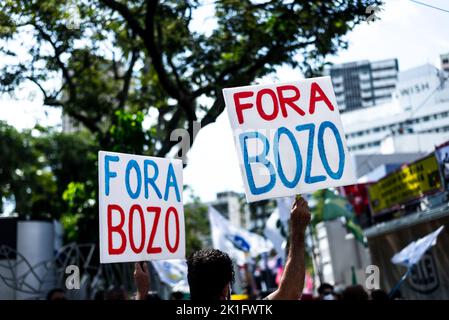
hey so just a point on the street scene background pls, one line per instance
(77, 77)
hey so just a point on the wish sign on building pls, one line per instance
(140, 208)
(289, 138)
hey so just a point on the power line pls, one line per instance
(430, 6)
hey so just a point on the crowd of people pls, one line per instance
(326, 291)
(211, 274)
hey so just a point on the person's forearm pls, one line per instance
(292, 281)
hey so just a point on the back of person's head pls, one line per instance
(56, 294)
(210, 272)
(354, 293)
(379, 295)
(152, 296)
(396, 295)
(176, 295)
(99, 295)
(325, 288)
(116, 294)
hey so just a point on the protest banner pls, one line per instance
(140, 208)
(408, 183)
(289, 138)
(442, 154)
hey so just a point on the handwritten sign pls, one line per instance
(289, 138)
(141, 208)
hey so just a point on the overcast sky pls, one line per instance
(413, 33)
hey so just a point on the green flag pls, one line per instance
(355, 229)
(354, 276)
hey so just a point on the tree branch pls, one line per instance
(167, 144)
(44, 93)
(148, 37)
(174, 91)
(216, 109)
(87, 122)
(123, 95)
(127, 15)
(57, 50)
(114, 67)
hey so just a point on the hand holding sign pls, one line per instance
(289, 138)
(141, 209)
(300, 215)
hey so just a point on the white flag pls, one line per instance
(171, 272)
(273, 232)
(412, 253)
(285, 206)
(235, 241)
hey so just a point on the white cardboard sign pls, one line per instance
(289, 138)
(141, 209)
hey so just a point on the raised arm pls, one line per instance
(142, 280)
(292, 281)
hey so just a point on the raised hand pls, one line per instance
(142, 279)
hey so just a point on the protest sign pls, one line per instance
(140, 208)
(289, 138)
(408, 183)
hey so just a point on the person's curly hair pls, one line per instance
(209, 272)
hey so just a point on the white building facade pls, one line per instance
(415, 120)
(363, 84)
(230, 205)
(445, 62)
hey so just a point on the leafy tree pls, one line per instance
(196, 225)
(15, 160)
(124, 60)
(80, 220)
(37, 168)
(143, 55)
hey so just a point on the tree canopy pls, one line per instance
(106, 61)
(112, 65)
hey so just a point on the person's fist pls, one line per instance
(142, 279)
(300, 214)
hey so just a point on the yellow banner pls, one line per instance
(407, 183)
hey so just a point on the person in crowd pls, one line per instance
(56, 294)
(397, 295)
(211, 273)
(354, 293)
(307, 297)
(379, 295)
(176, 295)
(99, 295)
(153, 296)
(142, 280)
(326, 292)
(116, 294)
